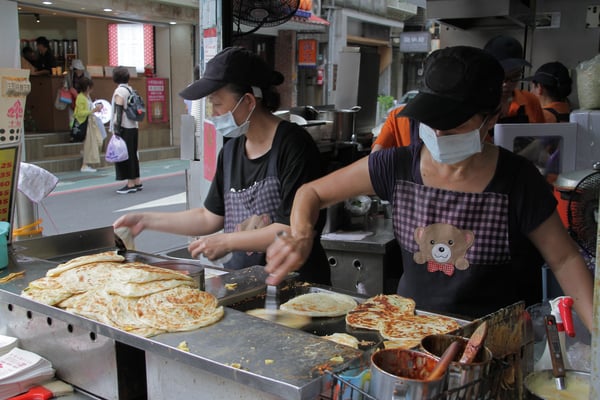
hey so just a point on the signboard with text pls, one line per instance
(157, 103)
(307, 53)
(415, 42)
(8, 168)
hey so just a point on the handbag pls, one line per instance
(65, 95)
(116, 150)
(78, 130)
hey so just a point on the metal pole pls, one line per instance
(595, 373)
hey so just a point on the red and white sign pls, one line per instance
(157, 104)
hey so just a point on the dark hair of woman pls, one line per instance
(43, 41)
(120, 75)
(271, 99)
(84, 84)
(558, 92)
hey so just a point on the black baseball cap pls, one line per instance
(459, 82)
(235, 65)
(552, 74)
(508, 51)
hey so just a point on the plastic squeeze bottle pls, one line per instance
(561, 309)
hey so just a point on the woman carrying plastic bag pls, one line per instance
(84, 109)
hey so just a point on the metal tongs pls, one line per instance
(558, 366)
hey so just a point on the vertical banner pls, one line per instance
(210, 151)
(8, 164)
(157, 107)
(307, 52)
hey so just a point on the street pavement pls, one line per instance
(86, 200)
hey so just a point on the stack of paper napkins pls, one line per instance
(20, 370)
(7, 343)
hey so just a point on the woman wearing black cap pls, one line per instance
(259, 169)
(474, 221)
(552, 84)
(518, 106)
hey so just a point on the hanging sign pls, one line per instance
(415, 42)
(307, 52)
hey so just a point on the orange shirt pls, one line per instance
(560, 107)
(527, 102)
(395, 131)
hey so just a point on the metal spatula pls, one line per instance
(272, 299)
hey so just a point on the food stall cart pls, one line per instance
(240, 356)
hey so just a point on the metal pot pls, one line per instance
(343, 121)
(400, 374)
(541, 385)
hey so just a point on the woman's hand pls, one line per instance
(135, 222)
(98, 107)
(286, 254)
(212, 247)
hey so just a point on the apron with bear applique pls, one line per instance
(255, 204)
(455, 245)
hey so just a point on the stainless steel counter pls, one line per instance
(231, 353)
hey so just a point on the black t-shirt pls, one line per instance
(46, 61)
(299, 161)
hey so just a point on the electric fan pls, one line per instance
(582, 211)
(259, 13)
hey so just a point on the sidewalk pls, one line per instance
(77, 180)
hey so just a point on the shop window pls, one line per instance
(131, 45)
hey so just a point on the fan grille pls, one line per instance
(582, 213)
(260, 13)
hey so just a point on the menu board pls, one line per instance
(8, 163)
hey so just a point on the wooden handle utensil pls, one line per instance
(440, 369)
(474, 344)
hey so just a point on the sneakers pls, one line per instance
(87, 168)
(127, 189)
(139, 187)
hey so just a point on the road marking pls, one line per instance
(179, 198)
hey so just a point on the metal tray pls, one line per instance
(319, 326)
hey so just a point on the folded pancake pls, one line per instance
(343, 338)
(179, 309)
(373, 311)
(320, 304)
(136, 272)
(129, 289)
(89, 276)
(416, 327)
(83, 260)
(46, 290)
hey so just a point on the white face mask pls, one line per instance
(450, 149)
(226, 126)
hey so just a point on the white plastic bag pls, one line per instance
(588, 83)
(116, 151)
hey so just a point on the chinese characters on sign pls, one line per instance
(155, 89)
(7, 179)
(415, 42)
(307, 53)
